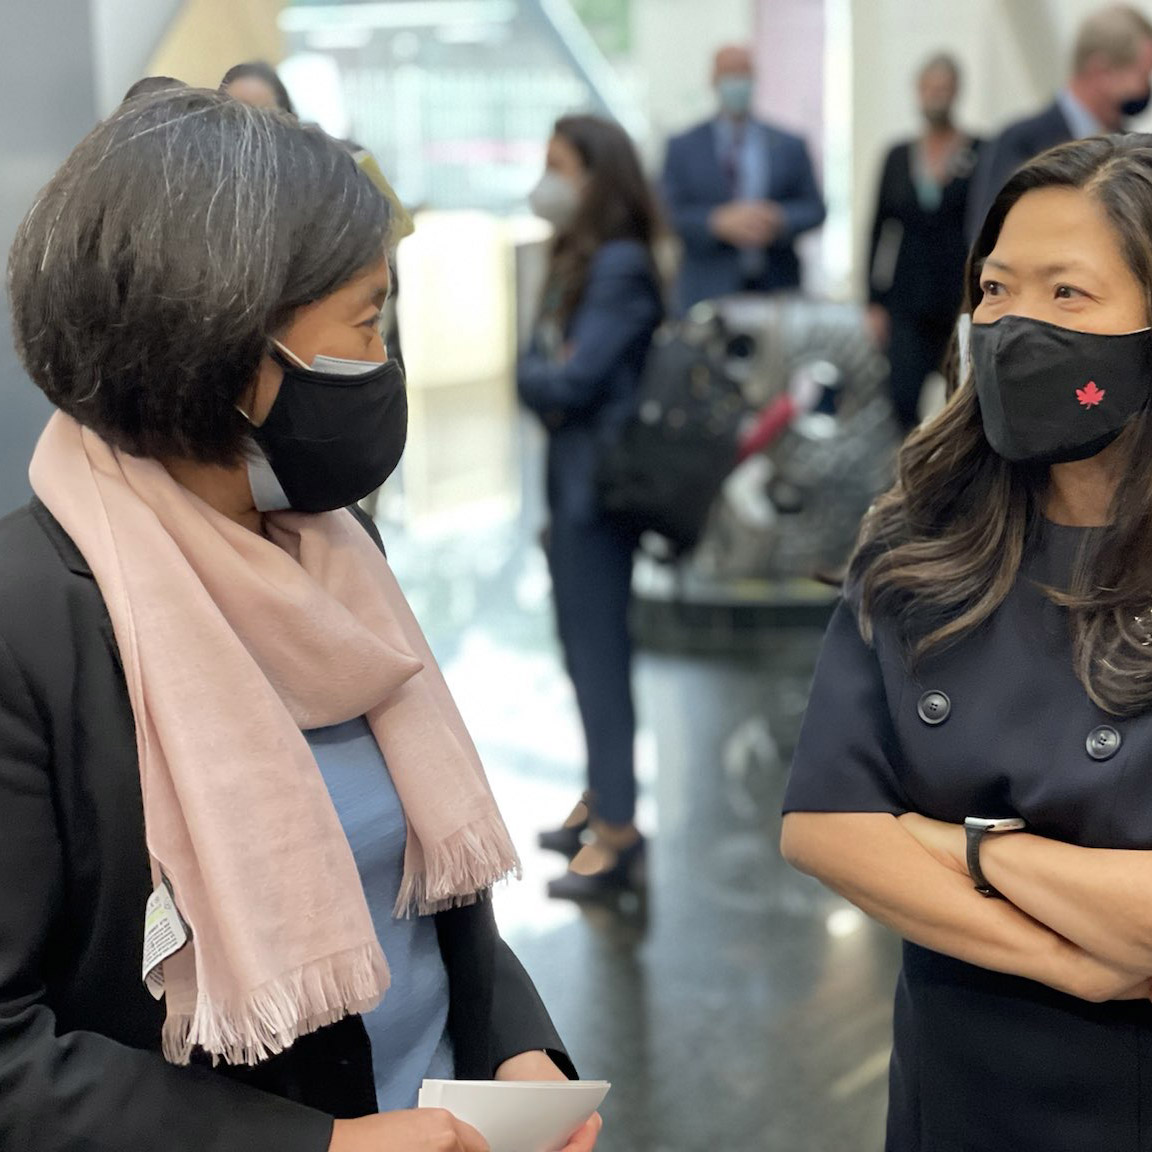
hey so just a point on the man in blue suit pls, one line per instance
(1109, 84)
(738, 192)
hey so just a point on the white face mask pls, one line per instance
(337, 365)
(555, 199)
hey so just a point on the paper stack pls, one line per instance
(521, 1115)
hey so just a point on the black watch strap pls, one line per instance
(975, 839)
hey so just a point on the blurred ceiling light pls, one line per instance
(411, 14)
(844, 922)
(314, 83)
(473, 33)
(335, 39)
(405, 46)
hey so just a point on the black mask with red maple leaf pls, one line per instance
(1050, 394)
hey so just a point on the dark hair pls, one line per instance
(617, 205)
(941, 550)
(149, 85)
(181, 232)
(260, 70)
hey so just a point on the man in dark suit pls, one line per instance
(1111, 63)
(738, 192)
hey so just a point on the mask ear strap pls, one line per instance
(290, 354)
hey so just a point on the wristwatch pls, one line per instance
(977, 827)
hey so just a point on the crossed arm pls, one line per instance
(1076, 919)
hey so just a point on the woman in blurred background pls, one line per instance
(916, 262)
(257, 83)
(602, 303)
(221, 729)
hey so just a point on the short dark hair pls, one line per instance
(180, 234)
(150, 85)
(260, 70)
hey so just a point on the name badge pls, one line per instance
(165, 933)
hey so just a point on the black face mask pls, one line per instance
(1049, 395)
(1137, 105)
(335, 433)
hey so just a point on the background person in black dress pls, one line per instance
(916, 260)
(1021, 1023)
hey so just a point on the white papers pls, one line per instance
(518, 1115)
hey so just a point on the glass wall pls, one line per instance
(456, 98)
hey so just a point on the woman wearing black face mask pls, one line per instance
(246, 841)
(601, 306)
(916, 262)
(974, 768)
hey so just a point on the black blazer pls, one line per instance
(80, 1063)
(1016, 145)
(916, 261)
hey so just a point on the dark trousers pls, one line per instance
(591, 566)
(917, 348)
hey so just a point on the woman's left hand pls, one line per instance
(537, 1066)
(947, 843)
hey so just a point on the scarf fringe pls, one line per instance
(270, 1019)
(458, 871)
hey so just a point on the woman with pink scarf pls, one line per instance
(246, 844)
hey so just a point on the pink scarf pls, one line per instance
(232, 644)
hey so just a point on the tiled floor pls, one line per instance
(743, 1008)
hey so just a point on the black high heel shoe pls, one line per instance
(569, 838)
(612, 874)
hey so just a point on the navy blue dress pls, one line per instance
(982, 1061)
(583, 398)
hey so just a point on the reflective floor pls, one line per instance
(742, 1007)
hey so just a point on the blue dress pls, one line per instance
(409, 1030)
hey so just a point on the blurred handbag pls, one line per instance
(663, 470)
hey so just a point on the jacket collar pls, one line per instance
(61, 541)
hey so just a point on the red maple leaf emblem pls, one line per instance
(1091, 395)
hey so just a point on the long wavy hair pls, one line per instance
(939, 552)
(617, 204)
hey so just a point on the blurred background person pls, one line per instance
(1109, 85)
(738, 194)
(601, 305)
(916, 258)
(257, 83)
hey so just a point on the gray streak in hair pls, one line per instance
(184, 230)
